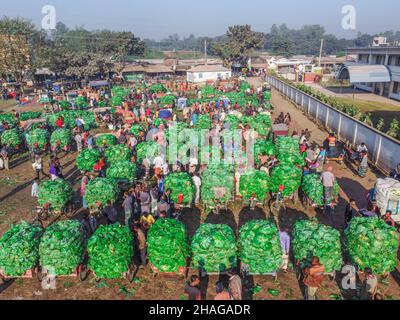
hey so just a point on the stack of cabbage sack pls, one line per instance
(39, 136)
(106, 139)
(87, 159)
(19, 248)
(287, 175)
(180, 184)
(214, 248)
(100, 190)
(214, 177)
(260, 247)
(117, 153)
(11, 138)
(62, 246)
(147, 150)
(122, 170)
(24, 116)
(372, 243)
(288, 151)
(313, 188)
(311, 238)
(203, 122)
(254, 182)
(263, 147)
(62, 135)
(167, 245)
(110, 251)
(56, 192)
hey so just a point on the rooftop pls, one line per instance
(208, 68)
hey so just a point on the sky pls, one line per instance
(156, 19)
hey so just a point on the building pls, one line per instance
(203, 73)
(377, 69)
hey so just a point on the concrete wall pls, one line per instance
(208, 76)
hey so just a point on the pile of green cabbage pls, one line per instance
(87, 159)
(203, 122)
(70, 116)
(122, 170)
(62, 135)
(147, 150)
(167, 245)
(9, 118)
(254, 182)
(287, 175)
(118, 153)
(167, 100)
(313, 188)
(28, 115)
(81, 103)
(110, 251)
(288, 151)
(233, 121)
(262, 147)
(311, 238)
(371, 243)
(158, 88)
(180, 183)
(39, 136)
(11, 137)
(217, 176)
(56, 192)
(101, 190)
(207, 91)
(136, 129)
(106, 139)
(19, 248)
(214, 248)
(260, 246)
(62, 247)
(64, 105)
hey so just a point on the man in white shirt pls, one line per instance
(158, 162)
(197, 183)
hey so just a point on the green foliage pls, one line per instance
(118, 153)
(9, 118)
(255, 182)
(106, 139)
(27, 115)
(56, 192)
(394, 130)
(146, 150)
(87, 159)
(158, 88)
(136, 129)
(39, 136)
(100, 190)
(12, 137)
(62, 135)
(203, 122)
(180, 183)
(287, 175)
(81, 103)
(262, 147)
(215, 177)
(288, 151)
(121, 170)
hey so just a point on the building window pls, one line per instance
(396, 88)
(200, 76)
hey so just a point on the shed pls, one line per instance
(203, 73)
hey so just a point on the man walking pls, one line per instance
(141, 243)
(285, 245)
(127, 204)
(313, 278)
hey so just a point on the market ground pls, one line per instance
(16, 204)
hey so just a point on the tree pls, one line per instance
(381, 124)
(394, 130)
(240, 44)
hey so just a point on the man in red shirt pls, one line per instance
(60, 122)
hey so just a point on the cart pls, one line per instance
(182, 272)
(245, 271)
(219, 193)
(129, 275)
(280, 130)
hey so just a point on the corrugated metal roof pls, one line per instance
(367, 73)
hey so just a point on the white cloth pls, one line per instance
(35, 190)
(158, 162)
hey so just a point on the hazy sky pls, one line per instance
(158, 18)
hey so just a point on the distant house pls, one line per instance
(203, 73)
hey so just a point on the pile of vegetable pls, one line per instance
(214, 248)
(56, 192)
(62, 246)
(158, 88)
(287, 175)
(11, 137)
(87, 159)
(311, 238)
(203, 122)
(254, 182)
(39, 136)
(81, 103)
(207, 91)
(9, 118)
(117, 101)
(120, 92)
(19, 248)
(106, 139)
(245, 86)
(136, 129)
(233, 121)
(27, 115)
(122, 170)
(180, 184)
(118, 153)
(313, 188)
(62, 135)
(70, 116)
(147, 150)
(260, 247)
(372, 243)
(157, 122)
(64, 105)
(110, 251)
(167, 245)
(100, 190)
(288, 151)
(217, 179)
(167, 100)
(263, 147)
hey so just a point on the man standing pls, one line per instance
(110, 213)
(197, 183)
(350, 213)
(370, 285)
(313, 278)
(84, 182)
(78, 140)
(285, 245)
(192, 288)
(235, 286)
(4, 157)
(127, 204)
(141, 243)
(328, 180)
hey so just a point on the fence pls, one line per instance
(384, 150)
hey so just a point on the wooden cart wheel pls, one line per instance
(83, 272)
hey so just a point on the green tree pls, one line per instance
(381, 124)
(394, 129)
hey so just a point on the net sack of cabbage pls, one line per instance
(100, 190)
(87, 159)
(311, 238)
(158, 88)
(19, 248)
(217, 184)
(56, 192)
(122, 170)
(254, 182)
(260, 247)
(136, 129)
(62, 247)
(117, 153)
(107, 140)
(288, 176)
(313, 188)
(28, 115)
(288, 151)
(147, 150)
(263, 147)
(11, 137)
(167, 245)
(372, 243)
(39, 136)
(181, 184)
(62, 135)
(110, 251)
(214, 248)
(203, 122)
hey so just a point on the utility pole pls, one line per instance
(320, 52)
(205, 52)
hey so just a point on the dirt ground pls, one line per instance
(16, 204)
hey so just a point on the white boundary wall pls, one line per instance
(384, 150)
